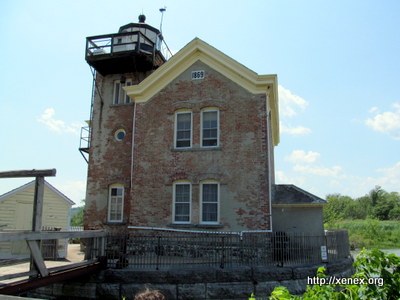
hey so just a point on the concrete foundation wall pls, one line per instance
(190, 283)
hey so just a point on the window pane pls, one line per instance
(210, 128)
(180, 144)
(182, 209)
(116, 204)
(183, 129)
(209, 133)
(182, 203)
(182, 193)
(210, 192)
(182, 212)
(210, 212)
(210, 202)
(183, 135)
(211, 142)
(209, 117)
(183, 120)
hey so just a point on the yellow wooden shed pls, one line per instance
(16, 209)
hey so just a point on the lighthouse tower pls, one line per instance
(117, 60)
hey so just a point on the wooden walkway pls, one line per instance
(16, 279)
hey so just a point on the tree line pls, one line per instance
(377, 204)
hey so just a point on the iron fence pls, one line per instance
(155, 250)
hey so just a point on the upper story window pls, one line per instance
(182, 202)
(115, 203)
(209, 195)
(210, 127)
(120, 96)
(183, 129)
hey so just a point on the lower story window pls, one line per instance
(209, 202)
(182, 199)
(115, 203)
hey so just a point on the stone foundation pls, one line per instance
(203, 283)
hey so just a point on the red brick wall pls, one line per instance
(239, 164)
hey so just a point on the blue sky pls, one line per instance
(338, 67)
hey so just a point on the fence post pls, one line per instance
(223, 253)
(158, 252)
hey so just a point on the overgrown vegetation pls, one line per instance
(371, 233)
(77, 216)
(369, 264)
(378, 204)
(372, 220)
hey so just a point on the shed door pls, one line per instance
(23, 222)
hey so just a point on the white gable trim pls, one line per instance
(29, 184)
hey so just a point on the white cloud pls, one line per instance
(391, 175)
(334, 171)
(300, 156)
(289, 103)
(373, 109)
(297, 130)
(282, 178)
(75, 190)
(59, 126)
(387, 122)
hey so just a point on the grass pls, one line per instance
(371, 233)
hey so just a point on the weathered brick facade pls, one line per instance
(146, 162)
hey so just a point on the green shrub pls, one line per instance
(369, 264)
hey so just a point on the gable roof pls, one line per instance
(29, 184)
(289, 194)
(198, 50)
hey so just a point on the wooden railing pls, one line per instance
(94, 242)
(129, 41)
(95, 246)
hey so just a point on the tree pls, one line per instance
(77, 218)
(335, 209)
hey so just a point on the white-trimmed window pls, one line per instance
(115, 203)
(210, 127)
(182, 202)
(209, 195)
(183, 129)
(120, 96)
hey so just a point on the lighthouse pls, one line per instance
(117, 60)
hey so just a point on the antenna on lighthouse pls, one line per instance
(162, 10)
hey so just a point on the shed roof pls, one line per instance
(289, 194)
(29, 184)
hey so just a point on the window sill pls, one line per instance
(191, 226)
(196, 149)
(116, 223)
